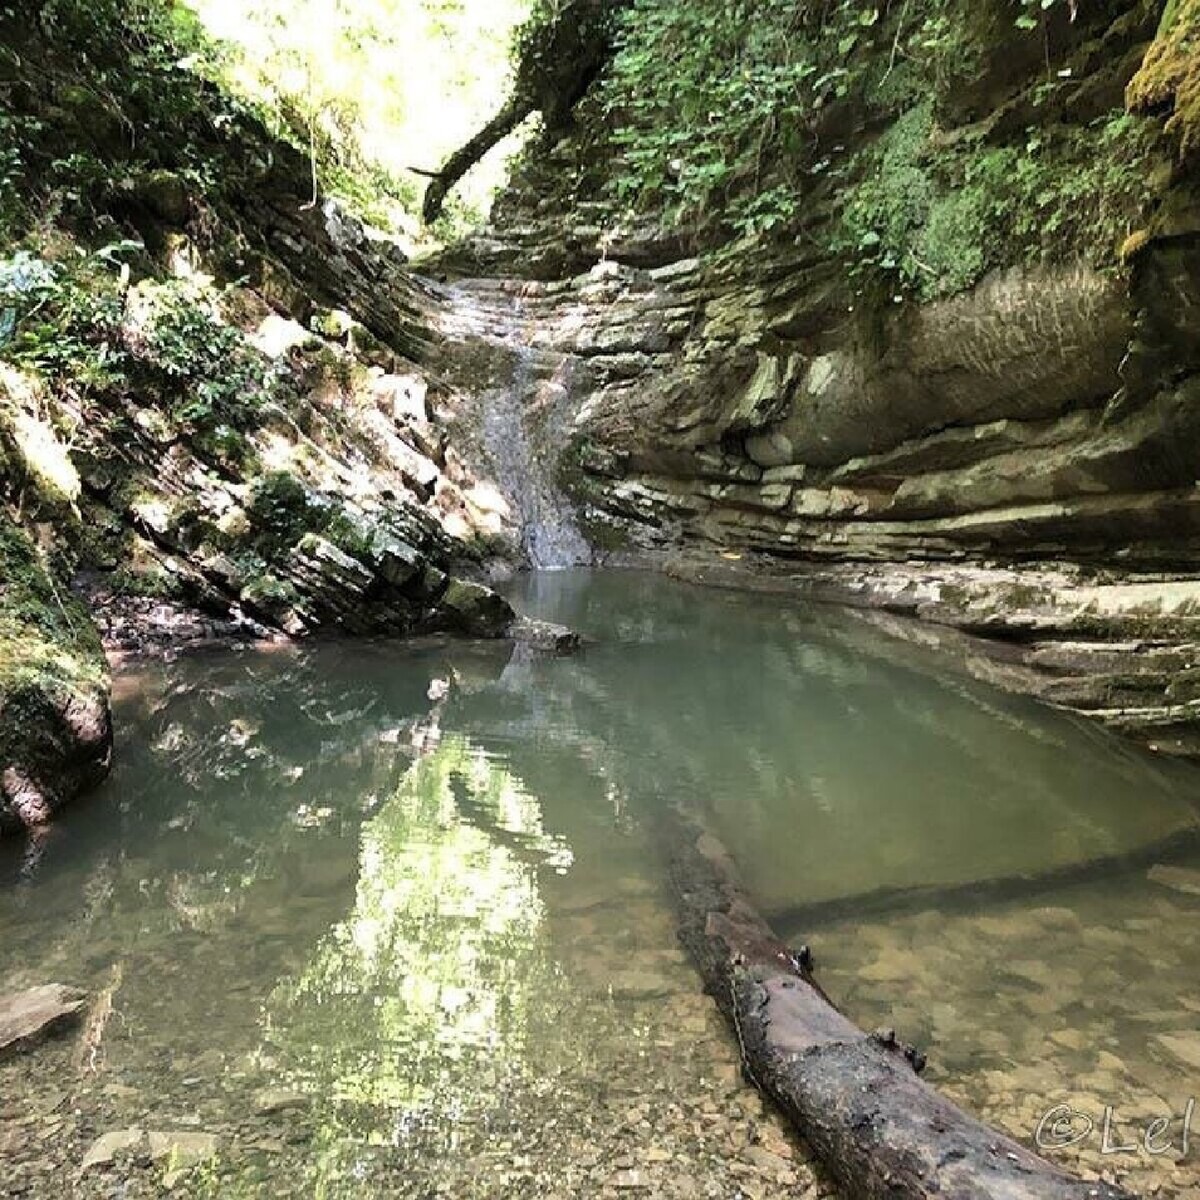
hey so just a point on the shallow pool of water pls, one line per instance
(379, 946)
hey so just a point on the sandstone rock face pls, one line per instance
(1018, 462)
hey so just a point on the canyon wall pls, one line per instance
(1016, 461)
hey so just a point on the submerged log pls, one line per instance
(1181, 846)
(857, 1098)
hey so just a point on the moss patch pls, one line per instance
(47, 638)
(936, 215)
(55, 729)
(1169, 78)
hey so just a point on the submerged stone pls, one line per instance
(27, 1017)
(277, 1100)
(179, 1148)
(1184, 1046)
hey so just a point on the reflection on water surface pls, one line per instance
(376, 950)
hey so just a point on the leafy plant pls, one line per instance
(1033, 12)
(935, 219)
(738, 117)
(214, 375)
(63, 319)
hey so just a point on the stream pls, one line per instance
(377, 950)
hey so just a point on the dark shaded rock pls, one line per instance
(164, 195)
(475, 609)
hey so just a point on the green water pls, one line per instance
(834, 760)
(378, 949)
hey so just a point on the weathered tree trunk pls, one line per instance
(559, 62)
(463, 159)
(878, 1128)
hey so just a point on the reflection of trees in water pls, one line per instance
(418, 1002)
(233, 815)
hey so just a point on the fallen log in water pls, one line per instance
(857, 1099)
(1181, 846)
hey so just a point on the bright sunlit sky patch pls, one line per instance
(411, 79)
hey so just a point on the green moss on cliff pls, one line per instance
(55, 731)
(936, 215)
(46, 636)
(1169, 78)
(922, 143)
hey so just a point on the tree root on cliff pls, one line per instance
(877, 1127)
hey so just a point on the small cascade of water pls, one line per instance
(520, 435)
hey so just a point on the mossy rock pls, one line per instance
(474, 609)
(55, 723)
(1169, 78)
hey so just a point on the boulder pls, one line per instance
(475, 609)
(544, 635)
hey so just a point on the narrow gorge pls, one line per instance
(878, 320)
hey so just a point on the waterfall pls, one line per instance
(518, 402)
(523, 434)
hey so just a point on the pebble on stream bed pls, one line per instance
(663, 1111)
(1084, 998)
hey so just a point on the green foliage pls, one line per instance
(934, 219)
(99, 91)
(215, 377)
(79, 325)
(1033, 12)
(759, 119)
(12, 205)
(63, 319)
(283, 510)
(47, 642)
(720, 107)
(705, 96)
(108, 91)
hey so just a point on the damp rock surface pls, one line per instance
(29, 1016)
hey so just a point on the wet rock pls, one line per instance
(28, 1016)
(183, 1148)
(1184, 1046)
(277, 1100)
(642, 984)
(180, 1149)
(163, 194)
(106, 1147)
(475, 609)
(630, 1180)
(544, 635)
(767, 1162)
